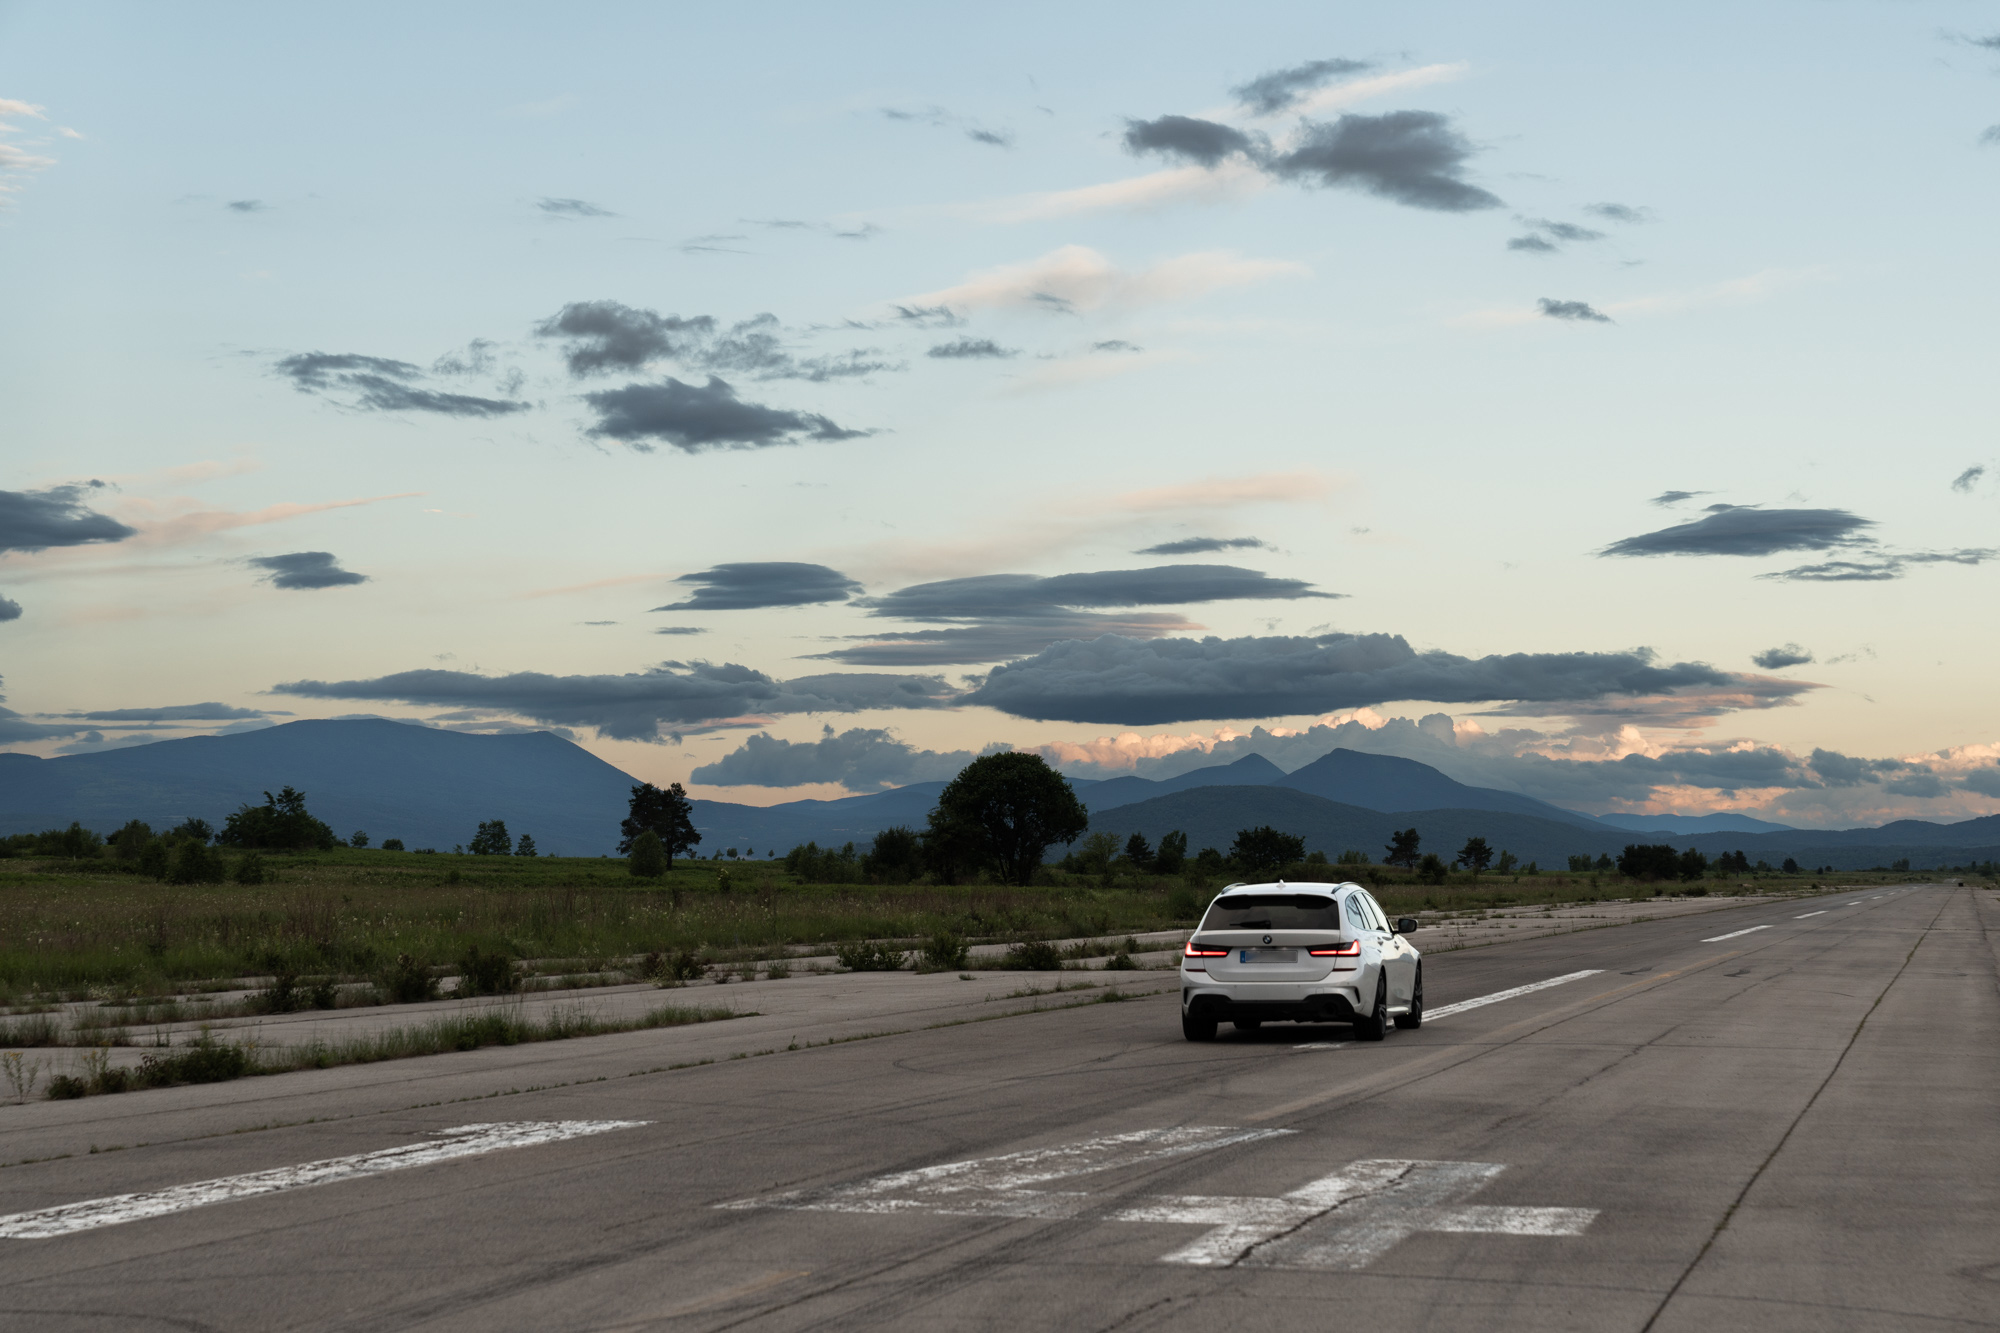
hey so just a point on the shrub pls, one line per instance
(485, 973)
(409, 981)
(778, 970)
(153, 859)
(942, 952)
(65, 1086)
(392, 844)
(204, 1062)
(896, 857)
(282, 822)
(195, 863)
(1121, 962)
(868, 956)
(1431, 870)
(282, 996)
(1182, 905)
(1034, 956)
(672, 969)
(324, 993)
(649, 856)
(250, 870)
(360, 838)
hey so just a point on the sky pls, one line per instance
(794, 402)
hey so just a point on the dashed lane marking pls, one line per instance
(1750, 930)
(463, 1141)
(1446, 1011)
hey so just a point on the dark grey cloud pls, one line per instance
(572, 208)
(710, 416)
(58, 516)
(929, 316)
(1533, 244)
(1620, 212)
(1128, 682)
(999, 641)
(9, 609)
(1839, 770)
(379, 384)
(1966, 480)
(1188, 139)
(245, 205)
(650, 705)
(989, 597)
(1665, 498)
(676, 629)
(209, 712)
(1281, 89)
(754, 583)
(1748, 530)
(1546, 236)
(970, 349)
(1413, 157)
(1201, 545)
(306, 571)
(1880, 567)
(603, 336)
(1983, 781)
(996, 138)
(1789, 655)
(861, 759)
(1572, 310)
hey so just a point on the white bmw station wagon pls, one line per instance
(1300, 953)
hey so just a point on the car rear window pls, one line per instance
(1273, 911)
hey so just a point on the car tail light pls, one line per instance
(1194, 950)
(1351, 949)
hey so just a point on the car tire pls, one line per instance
(1247, 1024)
(1413, 1020)
(1375, 1026)
(1197, 1027)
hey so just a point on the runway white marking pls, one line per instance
(463, 1141)
(1749, 930)
(1322, 1045)
(1446, 1011)
(1343, 1220)
(1803, 915)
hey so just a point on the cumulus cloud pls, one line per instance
(1118, 680)
(58, 516)
(645, 706)
(862, 759)
(306, 571)
(604, 336)
(970, 349)
(9, 609)
(1572, 310)
(572, 208)
(1411, 157)
(1077, 278)
(1281, 89)
(379, 384)
(1202, 545)
(1789, 655)
(1188, 139)
(754, 583)
(710, 416)
(1880, 567)
(1749, 530)
(1966, 480)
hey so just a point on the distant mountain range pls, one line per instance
(432, 788)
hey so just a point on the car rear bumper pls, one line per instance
(1299, 1002)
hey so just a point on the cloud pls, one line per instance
(1620, 212)
(1232, 178)
(1411, 157)
(37, 520)
(1771, 659)
(1748, 530)
(306, 571)
(9, 609)
(1665, 498)
(1076, 278)
(1200, 141)
(1572, 310)
(1545, 234)
(1006, 596)
(862, 759)
(997, 138)
(675, 629)
(1282, 89)
(572, 208)
(1880, 568)
(1125, 681)
(1001, 641)
(935, 316)
(754, 583)
(1966, 480)
(1990, 135)
(1533, 245)
(379, 384)
(1115, 345)
(246, 206)
(208, 712)
(605, 336)
(636, 706)
(710, 416)
(968, 349)
(1202, 545)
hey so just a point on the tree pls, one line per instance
(667, 813)
(1172, 854)
(1403, 849)
(282, 823)
(1790, 867)
(1507, 862)
(1262, 850)
(360, 838)
(1475, 856)
(392, 844)
(127, 842)
(1692, 865)
(526, 846)
(896, 857)
(195, 863)
(1139, 851)
(198, 829)
(648, 856)
(1431, 870)
(1580, 864)
(1604, 862)
(1017, 805)
(492, 839)
(1651, 861)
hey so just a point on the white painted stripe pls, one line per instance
(1803, 915)
(462, 1141)
(1322, 1045)
(1748, 930)
(1446, 1011)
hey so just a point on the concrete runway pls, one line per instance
(1793, 1127)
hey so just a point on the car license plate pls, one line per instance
(1268, 955)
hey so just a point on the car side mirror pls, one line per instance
(1405, 924)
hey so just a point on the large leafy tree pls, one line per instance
(1475, 856)
(1261, 850)
(282, 823)
(665, 812)
(1403, 849)
(492, 839)
(1008, 809)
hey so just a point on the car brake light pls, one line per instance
(1194, 950)
(1350, 949)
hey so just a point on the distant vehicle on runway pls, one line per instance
(1300, 953)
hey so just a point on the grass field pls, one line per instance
(83, 929)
